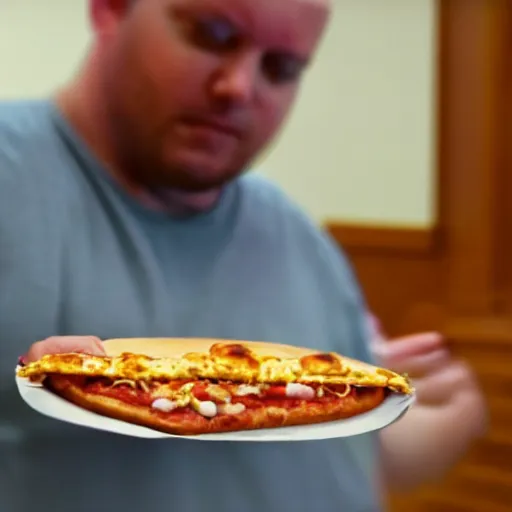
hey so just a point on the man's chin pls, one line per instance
(198, 173)
(201, 166)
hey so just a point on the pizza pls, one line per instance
(223, 386)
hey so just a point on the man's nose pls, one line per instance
(236, 80)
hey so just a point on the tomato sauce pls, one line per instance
(274, 395)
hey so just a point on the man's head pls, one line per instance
(194, 89)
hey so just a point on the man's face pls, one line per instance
(196, 88)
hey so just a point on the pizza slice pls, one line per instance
(224, 386)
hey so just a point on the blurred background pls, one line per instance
(400, 146)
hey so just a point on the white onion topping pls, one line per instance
(164, 405)
(296, 390)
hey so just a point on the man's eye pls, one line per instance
(282, 68)
(217, 35)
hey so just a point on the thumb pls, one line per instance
(64, 344)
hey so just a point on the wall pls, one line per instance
(41, 43)
(455, 277)
(359, 145)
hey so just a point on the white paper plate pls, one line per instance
(49, 404)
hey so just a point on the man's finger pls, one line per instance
(408, 346)
(419, 365)
(438, 387)
(62, 344)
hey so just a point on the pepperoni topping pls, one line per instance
(276, 392)
(199, 391)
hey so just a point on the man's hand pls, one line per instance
(449, 414)
(62, 344)
(437, 376)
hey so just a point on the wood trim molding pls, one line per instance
(360, 238)
(456, 277)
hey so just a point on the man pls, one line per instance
(124, 212)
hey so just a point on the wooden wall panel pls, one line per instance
(407, 288)
(400, 272)
(457, 276)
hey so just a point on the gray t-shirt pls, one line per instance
(80, 256)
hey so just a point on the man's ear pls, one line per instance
(105, 15)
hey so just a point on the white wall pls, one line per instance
(360, 143)
(41, 44)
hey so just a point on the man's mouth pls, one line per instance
(213, 126)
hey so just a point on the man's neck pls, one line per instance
(181, 203)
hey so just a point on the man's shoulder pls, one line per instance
(28, 144)
(275, 213)
(25, 130)
(30, 157)
(268, 199)
(23, 119)
(277, 218)
(274, 210)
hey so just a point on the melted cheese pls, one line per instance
(128, 382)
(231, 409)
(346, 392)
(218, 393)
(229, 361)
(132, 383)
(245, 390)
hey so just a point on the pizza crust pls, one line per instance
(194, 424)
(177, 347)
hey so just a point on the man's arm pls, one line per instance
(449, 414)
(430, 439)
